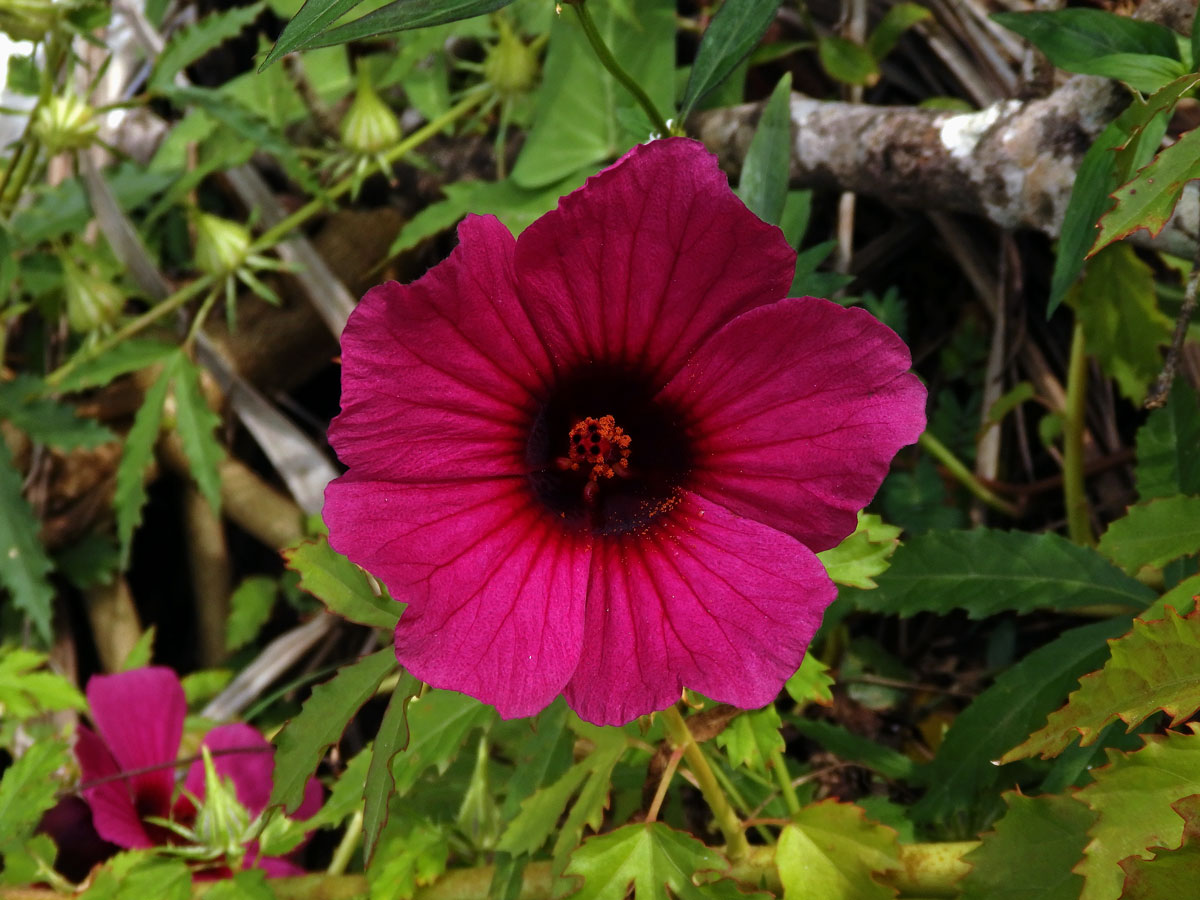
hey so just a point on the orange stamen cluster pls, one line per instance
(598, 446)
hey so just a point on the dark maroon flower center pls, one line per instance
(603, 454)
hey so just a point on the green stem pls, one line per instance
(610, 62)
(963, 475)
(1079, 525)
(266, 240)
(736, 845)
(345, 848)
(779, 764)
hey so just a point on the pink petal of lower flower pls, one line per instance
(438, 376)
(113, 811)
(251, 772)
(648, 259)
(495, 585)
(278, 867)
(797, 410)
(705, 600)
(140, 714)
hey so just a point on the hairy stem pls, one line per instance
(727, 820)
(1079, 526)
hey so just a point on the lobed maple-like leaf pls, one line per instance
(1154, 533)
(832, 851)
(1156, 666)
(1172, 872)
(1132, 797)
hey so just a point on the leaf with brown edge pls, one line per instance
(1156, 666)
(1172, 872)
(833, 851)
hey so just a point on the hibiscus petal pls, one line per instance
(251, 772)
(647, 260)
(705, 600)
(796, 411)
(113, 813)
(438, 376)
(495, 585)
(139, 714)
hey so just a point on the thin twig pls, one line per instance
(1162, 385)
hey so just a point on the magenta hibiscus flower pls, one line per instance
(139, 716)
(599, 460)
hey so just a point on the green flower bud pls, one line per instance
(92, 302)
(27, 20)
(221, 244)
(369, 126)
(511, 66)
(221, 821)
(65, 123)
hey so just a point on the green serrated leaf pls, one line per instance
(45, 420)
(1182, 598)
(1122, 324)
(1003, 866)
(26, 691)
(1074, 39)
(340, 585)
(250, 607)
(90, 561)
(24, 565)
(249, 884)
(657, 862)
(410, 857)
(191, 42)
(1003, 715)
(304, 739)
(1155, 667)
(986, 572)
(542, 755)
(402, 15)
(141, 652)
(811, 683)
(831, 851)
(346, 796)
(314, 17)
(1172, 871)
(1154, 533)
(196, 423)
(751, 738)
(897, 20)
(28, 788)
(764, 180)
(1148, 201)
(847, 62)
(1167, 463)
(1133, 796)
(391, 739)
(848, 746)
(863, 554)
(578, 120)
(130, 493)
(733, 32)
(127, 356)
(588, 809)
(438, 724)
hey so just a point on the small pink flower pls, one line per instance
(599, 460)
(139, 716)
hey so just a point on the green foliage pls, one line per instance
(136, 874)
(1154, 533)
(1148, 201)
(986, 572)
(28, 690)
(751, 738)
(24, 566)
(832, 851)
(249, 884)
(303, 740)
(1005, 866)
(897, 20)
(410, 856)
(851, 747)
(1133, 798)
(1003, 715)
(1167, 463)
(1122, 325)
(191, 42)
(733, 32)
(863, 554)
(811, 683)
(250, 607)
(27, 790)
(1092, 42)
(46, 420)
(1155, 667)
(127, 356)
(339, 584)
(196, 423)
(1171, 872)
(847, 62)
(438, 723)
(581, 111)
(764, 180)
(655, 861)
(392, 738)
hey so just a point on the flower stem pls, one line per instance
(965, 476)
(736, 845)
(610, 62)
(345, 848)
(779, 764)
(1079, 526)
(266, 240)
